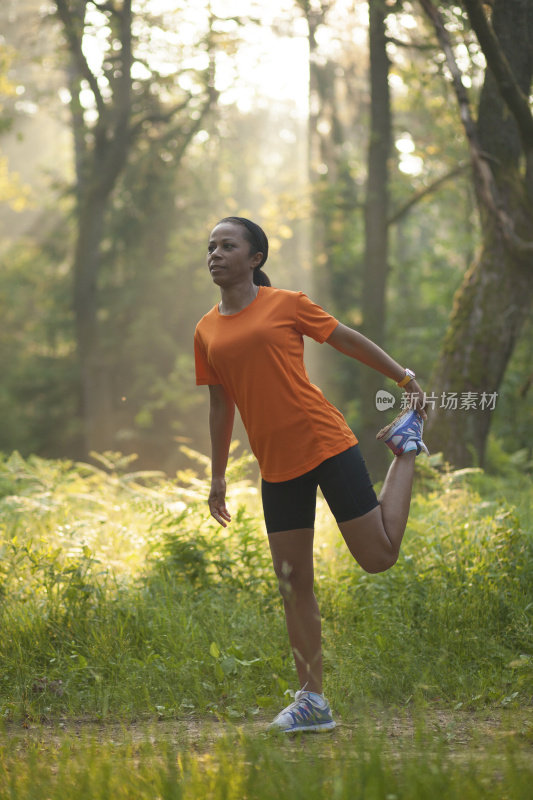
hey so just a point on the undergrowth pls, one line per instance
(120, 596)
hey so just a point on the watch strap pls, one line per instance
(409, 375)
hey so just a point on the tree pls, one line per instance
(113, 105)
(350, 123)
(376, 220)
(337, 136)
(495, 297)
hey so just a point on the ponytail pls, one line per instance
(260, 278)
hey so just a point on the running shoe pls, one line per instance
(404, 434)
(309, 712)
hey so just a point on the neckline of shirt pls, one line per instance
(232, 316)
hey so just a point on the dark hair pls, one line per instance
(258, 241)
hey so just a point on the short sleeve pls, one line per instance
(312, 320)
(205, 374)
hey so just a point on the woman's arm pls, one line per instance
(221, 416)
(355, 345)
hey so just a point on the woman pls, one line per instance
(249, 351)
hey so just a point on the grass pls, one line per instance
(123, 606)
(405, 759)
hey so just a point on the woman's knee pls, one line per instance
(368, 542)
(378, 563)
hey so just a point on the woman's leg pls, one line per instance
(292, 555)
(374, 539)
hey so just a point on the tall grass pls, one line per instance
(120, 597)
(239, 767)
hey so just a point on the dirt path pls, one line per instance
(401, 730)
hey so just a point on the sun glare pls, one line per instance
(270, 63)
(409, 164)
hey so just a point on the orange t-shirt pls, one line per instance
(257, 355)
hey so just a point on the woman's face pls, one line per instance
(228, 255)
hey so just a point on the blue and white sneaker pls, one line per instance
(404, 434)
(309, 712)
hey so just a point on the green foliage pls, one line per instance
(454, 600)
(119, 595)
(207, 560)
(13, 192)
(38, 391)
(120, 598)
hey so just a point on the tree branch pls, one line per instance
(195, 127)
(511, 93)
(161, 116)
(78, 128)
(418, 196)
(105, 7)
(486, 185)
(123, 99)
(457, 78)
(410, 45)
(74, 44)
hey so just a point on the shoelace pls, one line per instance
(297, 697)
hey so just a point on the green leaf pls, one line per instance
(244, 663)
(229, 665)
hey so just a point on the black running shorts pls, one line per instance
(345, 484)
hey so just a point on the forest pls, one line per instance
(386, 148)
(391, 169)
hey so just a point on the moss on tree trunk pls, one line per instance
(488, 314)
(496, 295)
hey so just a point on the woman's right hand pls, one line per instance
(217, 502)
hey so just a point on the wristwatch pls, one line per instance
(409, 375)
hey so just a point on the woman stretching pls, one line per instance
(249, 351)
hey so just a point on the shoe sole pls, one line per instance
(326, 726)
(386, 430)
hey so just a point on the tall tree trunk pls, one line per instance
(102, 148)
(488, 314)
(496, 295)
(95, 374)
(319, 361)
(376, 232)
